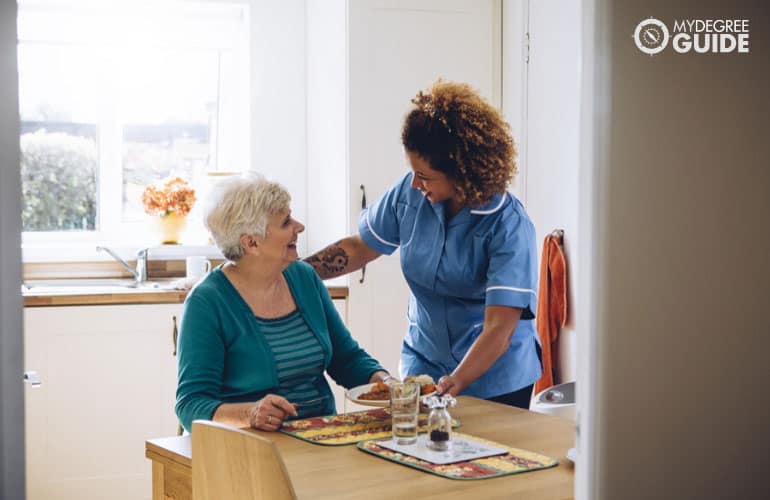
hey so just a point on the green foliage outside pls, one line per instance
(58, 179)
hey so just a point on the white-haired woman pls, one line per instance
(259, 331)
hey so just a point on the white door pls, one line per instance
(396, 48)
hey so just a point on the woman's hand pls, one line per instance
(380, 375)
(268, 413)
(495, 337)
(447, 385)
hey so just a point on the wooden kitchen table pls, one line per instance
(346, 472)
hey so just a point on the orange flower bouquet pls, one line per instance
(174, 196)
(172, 200)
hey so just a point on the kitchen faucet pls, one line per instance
(140, 272)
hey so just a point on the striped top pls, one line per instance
(298, 360)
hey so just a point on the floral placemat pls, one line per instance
(350, 428)
(513, 462)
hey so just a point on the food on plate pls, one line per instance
(379, 391)
(427, 385)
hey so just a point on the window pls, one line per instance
(116, 96)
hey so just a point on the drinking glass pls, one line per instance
(404, 409)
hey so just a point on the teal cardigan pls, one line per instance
(223, 358)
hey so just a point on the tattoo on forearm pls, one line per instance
(329, 262)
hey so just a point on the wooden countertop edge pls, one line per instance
(160, 297)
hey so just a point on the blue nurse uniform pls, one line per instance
(481, 256)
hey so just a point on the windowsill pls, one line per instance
(80, 252)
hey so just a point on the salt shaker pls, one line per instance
(439, 421)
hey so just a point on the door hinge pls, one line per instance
(526, 48)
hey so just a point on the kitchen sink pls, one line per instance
(94, 286)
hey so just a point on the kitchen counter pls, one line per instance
(79, 296)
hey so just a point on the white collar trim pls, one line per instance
(493, 210)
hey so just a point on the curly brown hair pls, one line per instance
(461, 135)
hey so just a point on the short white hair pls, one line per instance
(242, 205)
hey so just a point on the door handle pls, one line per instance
(32, 378)
(174, 334)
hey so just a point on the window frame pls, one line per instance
(233, 117)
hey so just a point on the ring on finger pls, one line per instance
(270, 419)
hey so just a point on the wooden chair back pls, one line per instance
(232, 464)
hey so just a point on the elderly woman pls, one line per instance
(259, 331)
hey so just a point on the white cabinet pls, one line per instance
(107, 383)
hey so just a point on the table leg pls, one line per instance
(158, 481)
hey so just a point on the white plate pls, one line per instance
(572, 455)
(354, 394)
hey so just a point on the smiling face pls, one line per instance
(280, 242)
(433, 184)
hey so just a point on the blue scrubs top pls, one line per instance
(481, 256)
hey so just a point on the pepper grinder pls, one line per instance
(439, 421)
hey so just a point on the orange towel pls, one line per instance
(551, 305)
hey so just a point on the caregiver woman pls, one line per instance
(467, 250)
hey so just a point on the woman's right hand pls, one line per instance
(268, 413)
(447, 385)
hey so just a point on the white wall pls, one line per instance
(542, 102)
(680, 260)
(11, 344)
